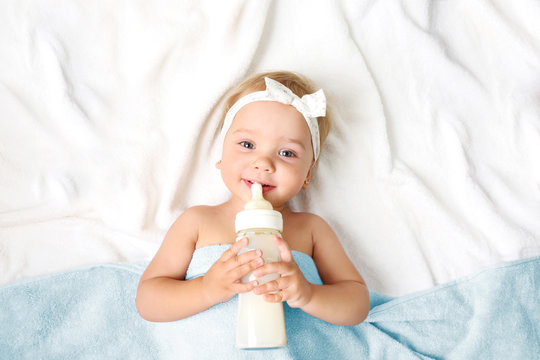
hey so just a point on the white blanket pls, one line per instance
(109, 112)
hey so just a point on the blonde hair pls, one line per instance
(298, 84)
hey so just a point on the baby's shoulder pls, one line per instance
(195, 218)
(306, 220)
(200, 213)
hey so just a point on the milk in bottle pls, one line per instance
(261, 324)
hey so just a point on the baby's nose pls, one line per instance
(263, 163)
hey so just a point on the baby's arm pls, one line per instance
(164, 295)
(344, 297)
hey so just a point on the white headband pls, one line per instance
(310, 106)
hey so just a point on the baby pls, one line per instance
(272, 132)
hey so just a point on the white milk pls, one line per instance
(261, 324)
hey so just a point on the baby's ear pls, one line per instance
(305, 186)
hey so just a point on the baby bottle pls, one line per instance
(261, 324)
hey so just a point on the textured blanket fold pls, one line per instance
(90, 313)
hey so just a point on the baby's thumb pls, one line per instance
(284, 249)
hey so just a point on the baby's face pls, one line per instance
(269, 143)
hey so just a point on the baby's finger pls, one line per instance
(242, 288)
(284, 249)
(276, 297)
(247, 261)
(244, 269)
(234, 249)
(271, 268)
(249, 256)
(271, 286)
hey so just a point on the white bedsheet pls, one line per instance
(109, 110)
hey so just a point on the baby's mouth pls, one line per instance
(265, 187)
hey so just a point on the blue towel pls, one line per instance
(90, 313)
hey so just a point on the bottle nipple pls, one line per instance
(257, 200)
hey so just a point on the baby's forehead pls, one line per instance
(270, 113)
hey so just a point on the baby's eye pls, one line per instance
(246, 144)
(287, 153)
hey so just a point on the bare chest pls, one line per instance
(220, 231)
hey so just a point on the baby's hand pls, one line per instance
(223, 280)
(291, 287)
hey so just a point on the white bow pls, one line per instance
(311, 105)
